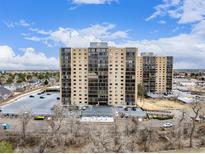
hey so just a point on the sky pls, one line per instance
(32, 31)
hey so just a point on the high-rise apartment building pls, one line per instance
(110, 76)
(155, 73)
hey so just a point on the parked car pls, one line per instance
(31, 96)
(41, 97)
(82, 108)
(58, 98)
(48, 94)
(53, 107)
(168, 125)
(39, 117)
(126, 115)
(122, 115)
(133, 108)
(5, 126)
(49, 118)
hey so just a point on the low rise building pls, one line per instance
(4, 93)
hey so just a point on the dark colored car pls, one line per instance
(133, 108)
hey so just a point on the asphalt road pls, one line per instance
(35, 105)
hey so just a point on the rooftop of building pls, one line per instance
(4, 91)
(98, 45)
(107, 111)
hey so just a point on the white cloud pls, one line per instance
(9, 24)
(78, 3)
(188, 49)
(31, 59)
(93, 1)
(39, 31)
(78, 37)
(21, 22)
(193, 10)
(162, 22)
(185, 11)
(161, 10)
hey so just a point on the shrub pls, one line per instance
(6, 147)
(163, 118)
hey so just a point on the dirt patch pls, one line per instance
(161, 104)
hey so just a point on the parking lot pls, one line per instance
(32, 103)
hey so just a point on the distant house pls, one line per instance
(20, 87)
(34, 82)
(4, 93)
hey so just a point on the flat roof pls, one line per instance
(108, 111)
(97, 111)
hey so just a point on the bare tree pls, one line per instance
(25, 117)
(44, 144)
(196, 109)
(119, 138)
(97, 140)
(146, 138)
(55, 123)
(180, 130)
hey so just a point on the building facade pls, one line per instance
(102, 75)
(155, 73)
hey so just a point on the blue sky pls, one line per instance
(32, 31)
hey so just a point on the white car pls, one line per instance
(167, 125)
(84, 108)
